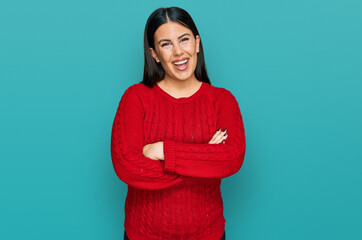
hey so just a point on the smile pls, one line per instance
(181, 65)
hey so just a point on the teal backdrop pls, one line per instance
(294, 67)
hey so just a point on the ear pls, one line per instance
(154, 55)
(197, 43)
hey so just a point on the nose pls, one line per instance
(177, 50)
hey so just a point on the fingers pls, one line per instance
(215, 135)
(223, 141)
(219, 137)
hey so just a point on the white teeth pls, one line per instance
(181, 62)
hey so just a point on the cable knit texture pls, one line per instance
(178, 198)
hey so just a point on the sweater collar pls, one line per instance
(182, 99)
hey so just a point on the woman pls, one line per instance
(174, 137)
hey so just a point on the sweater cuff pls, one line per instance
(169, 154)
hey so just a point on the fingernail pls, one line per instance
(219, 129)
(225, 130)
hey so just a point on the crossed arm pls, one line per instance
(155, 150)
(163, 164)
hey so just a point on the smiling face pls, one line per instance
(176, 48)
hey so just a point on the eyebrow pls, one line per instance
(170, 40)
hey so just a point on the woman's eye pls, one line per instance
(182, 40)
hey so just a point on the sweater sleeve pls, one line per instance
(211, 160)
(129, 163)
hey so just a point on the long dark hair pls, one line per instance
(153, 71)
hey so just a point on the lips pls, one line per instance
(182, 64)
(179, 60)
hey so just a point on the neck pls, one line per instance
(180, 88)
(187, 84)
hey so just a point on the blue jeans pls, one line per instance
(126, 237)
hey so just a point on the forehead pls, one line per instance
(171, 30)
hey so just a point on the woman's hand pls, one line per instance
(219, 137)
(154, 151)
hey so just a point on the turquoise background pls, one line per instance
(294, 67)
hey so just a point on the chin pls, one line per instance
(184, 75)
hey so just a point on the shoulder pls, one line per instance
(138, 89)
(224, 100)
(221, 94)
(133, 96)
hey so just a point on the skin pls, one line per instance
(177, 83)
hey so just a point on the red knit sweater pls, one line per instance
(178, 198)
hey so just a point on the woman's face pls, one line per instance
(175, 43)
